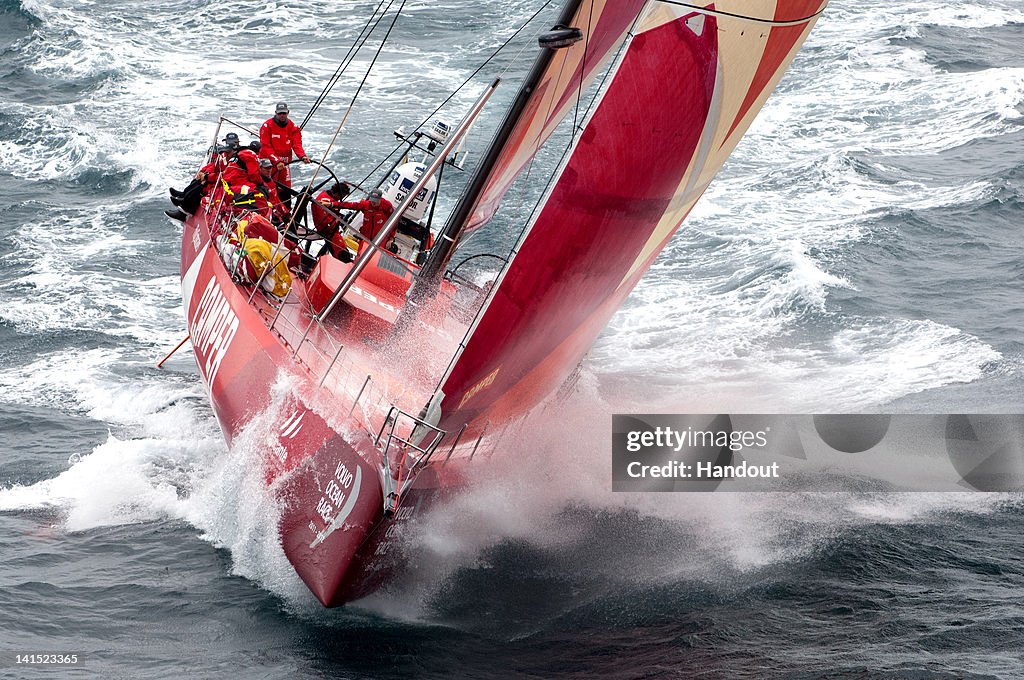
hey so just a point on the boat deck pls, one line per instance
(365, 363)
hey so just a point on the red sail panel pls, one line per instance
(659, 134)
(604, 24)
(778, 49)
(796, 10)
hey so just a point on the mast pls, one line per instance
(448, 236)
(687, 87)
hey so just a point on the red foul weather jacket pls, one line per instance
(324, 222)
(373, 218)
(284, 141)
(243, 170)
(213, 169)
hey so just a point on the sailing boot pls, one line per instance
(176, 214)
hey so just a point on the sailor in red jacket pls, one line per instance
(240, 179)
(243, 169)
(206, 181)
(376, 210)
(268, 203)
(219, 162)
(281, 137)
(324, 222)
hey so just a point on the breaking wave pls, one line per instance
(755, 294)
(762, 302)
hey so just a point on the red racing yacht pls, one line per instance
(376, 382)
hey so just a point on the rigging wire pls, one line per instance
(583, 73)
(507, 261)
(304, 195)
(575, 116)
(355, 96)
(572, 130)
(334, 79)
(466, 82)
(743, 17)
(538, 139)
(555, 172)
(346, 61)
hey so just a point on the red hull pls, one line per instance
(685, 89)
(327, 476)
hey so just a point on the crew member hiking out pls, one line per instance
(243, 168)
(205, 180)
(241, 178)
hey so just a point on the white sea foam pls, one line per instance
(922, 507)
(169, 464)
(119, 482)
(63, 286)
(56, 379)
(163, 448)
(235, 509)
(739, 306)
(523, 497)
(718, 368)
(721, 325)
(971, 15)
(154, 90)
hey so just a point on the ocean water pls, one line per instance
(861, 251)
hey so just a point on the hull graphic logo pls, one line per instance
(346, 509)
(213, 327)
(292, 426)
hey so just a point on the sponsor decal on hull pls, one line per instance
(292, 426)
(213, 327)
(343, 492)
(403, 516)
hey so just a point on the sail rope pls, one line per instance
(507, 261)
(537, 141)
(357, 45)
(719, 13)
(465, 82)
(346, 61)
(572, 132)
(304, 195)
(348, 110)
(583, 73)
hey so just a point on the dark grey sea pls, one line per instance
(861, 251)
